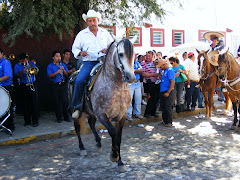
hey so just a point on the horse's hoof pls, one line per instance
(99, 149)
(113, 159)
(83, 153)
(233, 127)
(122, 169)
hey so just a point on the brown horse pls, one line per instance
(229, 71)
(209, 81)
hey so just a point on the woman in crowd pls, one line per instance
(179, 83)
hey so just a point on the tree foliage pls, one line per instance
(40, 17)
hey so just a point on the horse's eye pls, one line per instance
(121, 54)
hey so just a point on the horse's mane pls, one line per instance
(229, 54)
(128, 47)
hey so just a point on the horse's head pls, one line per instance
(124, 60)
(223, 65)
(202, 62)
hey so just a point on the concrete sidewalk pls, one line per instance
(48, 127)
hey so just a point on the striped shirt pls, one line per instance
(149, 67)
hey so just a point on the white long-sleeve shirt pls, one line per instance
(87, 41)
(192, 69)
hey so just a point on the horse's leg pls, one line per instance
(119, 127)
(111, 130)
(205, 94)
(211, 93)
(234, 126)
(83, 152)
(92, 122)
(228, 102)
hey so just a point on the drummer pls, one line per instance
(6, 77)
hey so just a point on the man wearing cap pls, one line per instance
(166, 92)
(193, 79)
(90, 44)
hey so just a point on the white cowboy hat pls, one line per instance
(213, 58)
(91, 14)
(207, 35)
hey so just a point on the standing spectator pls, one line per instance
(66, 60)
(193, 79)
(150, 77)
(166, 92)
(6, 76)
(29, 89)
(57, 73)
(184, 57)
(135, 89)
(90, 43)
(179, 84)
(159, 55)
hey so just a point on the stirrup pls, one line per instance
(197, 86)
(76, 114)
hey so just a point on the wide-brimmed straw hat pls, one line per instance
(207, 35)
(213, 57)
(91, 14)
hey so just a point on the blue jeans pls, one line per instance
(178, 88)
(200, 97)
(80, 82)
(135, 89)
(191, 94)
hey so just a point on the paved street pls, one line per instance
(195, 148)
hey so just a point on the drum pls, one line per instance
(5, 101)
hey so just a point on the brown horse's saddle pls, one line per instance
(213, 57)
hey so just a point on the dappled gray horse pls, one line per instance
(110, 98)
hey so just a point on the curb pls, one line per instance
(71, 132)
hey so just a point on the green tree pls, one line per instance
(40, 17)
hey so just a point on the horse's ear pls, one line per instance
(133, 39)
(227, 51)
(198, 51)
(114, 38)
(207, 51)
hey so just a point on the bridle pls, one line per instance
(203, 70)
(121, 69)
(227, 82)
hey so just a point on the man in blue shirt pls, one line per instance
(6, 77)
(29, 88)
(166, 92)
(57, 72)
(135, 89)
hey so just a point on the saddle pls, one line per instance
(88, 86)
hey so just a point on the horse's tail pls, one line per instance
(82, 123)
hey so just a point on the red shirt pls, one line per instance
(149, 67)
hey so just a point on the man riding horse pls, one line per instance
(90, 44)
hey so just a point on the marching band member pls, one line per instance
(26, 71)
(6, 77)
(56, 72)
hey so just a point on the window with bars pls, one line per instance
(177, 37)
(111, 29)
(157, 37)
